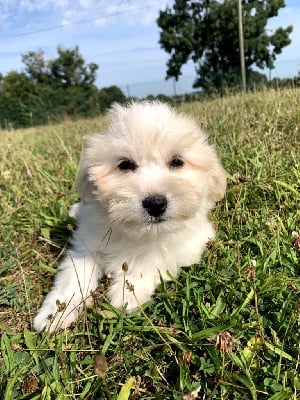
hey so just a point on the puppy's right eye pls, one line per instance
(176, 162)
(127, 165)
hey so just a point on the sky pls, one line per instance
(121, 36)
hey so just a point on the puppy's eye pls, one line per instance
(127, 165)
(176, 162)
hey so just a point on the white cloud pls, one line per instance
(66, 22)
(100, 22)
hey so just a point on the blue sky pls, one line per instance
(121, 36)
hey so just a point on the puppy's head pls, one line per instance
(151, 170)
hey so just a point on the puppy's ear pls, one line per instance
(85, 187)
(204, 157)
(216, 181)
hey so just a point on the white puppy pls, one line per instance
(147, 185)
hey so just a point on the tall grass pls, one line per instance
(227, 328)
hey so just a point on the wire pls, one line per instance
(76, 23)
(54, 17)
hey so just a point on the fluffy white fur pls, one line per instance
(133, 161)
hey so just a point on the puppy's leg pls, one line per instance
(76, 279)
(132, 288)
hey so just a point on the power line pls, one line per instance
(241, 45)
(52, 28)
(54, 17)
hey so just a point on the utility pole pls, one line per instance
(241, 41)
(174, 87)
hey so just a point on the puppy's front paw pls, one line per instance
(54, 321)
(119, 296)
(134, 292)
(57, 313)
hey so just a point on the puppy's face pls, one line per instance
(151, 170)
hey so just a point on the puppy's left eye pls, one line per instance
(127, 165)
(176, 162)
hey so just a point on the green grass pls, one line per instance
(228, 328)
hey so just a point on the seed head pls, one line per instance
(187, 357)
(60, 306)
(125, 266)
(296, 236)
(100, 365)
(224, 342)
(129, 286)
(239, 178)
(250, 271)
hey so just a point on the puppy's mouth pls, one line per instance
(156, 220)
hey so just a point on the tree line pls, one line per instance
(50, 90)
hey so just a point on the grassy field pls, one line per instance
(228, 328)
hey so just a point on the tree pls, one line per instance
(108, 96)
(36, 66)
(49, 90)
(20, 102)
(206, 32)
(66, 82)
(68, 69)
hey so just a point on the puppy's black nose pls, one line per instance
(155, 205)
